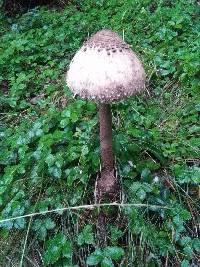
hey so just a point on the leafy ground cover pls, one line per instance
(49, 147)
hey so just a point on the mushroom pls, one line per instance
(105, 70)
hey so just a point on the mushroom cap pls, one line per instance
(105, 69)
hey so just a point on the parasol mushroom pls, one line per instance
(105, 70)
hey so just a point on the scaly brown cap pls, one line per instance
(105, 69)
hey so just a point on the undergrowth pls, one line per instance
(49, 146)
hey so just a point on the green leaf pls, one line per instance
(50, 159)
(86, 236)
(85, 150)
(95, 258)
(107, 262)
(57, 248)
(49, 224)
(55, 171)
(145, 174)
(196, 244)
(7, 225)
(19, 223)
(52, 254)
(188, 251)
(116, 233)
(42, 233)
(115, 253)
(185, 263)
(67, 249)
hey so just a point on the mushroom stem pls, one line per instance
(106, 185)
(107, 158)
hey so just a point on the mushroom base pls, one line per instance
(108, 188)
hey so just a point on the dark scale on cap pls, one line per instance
(105, 38)
(84, 49)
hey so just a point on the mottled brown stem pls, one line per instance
(107, 158)
(107, 184)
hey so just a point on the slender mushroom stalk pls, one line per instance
(107, 185)
(107, 157)
(104, 70)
